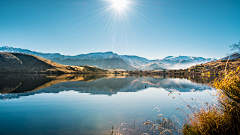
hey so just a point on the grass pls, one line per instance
(165, 126)
(223, 118)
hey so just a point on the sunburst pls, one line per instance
(118, 16)
(120, 4)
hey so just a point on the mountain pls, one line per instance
(182, 62)
(27, 63)
(110, 60)
(107, 63)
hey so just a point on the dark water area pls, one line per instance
(93, 104)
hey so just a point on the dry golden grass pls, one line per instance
(221, 119)
(27, 63)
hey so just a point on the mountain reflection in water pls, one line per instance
(15, 86)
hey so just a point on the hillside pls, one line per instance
(216, 67)
(210, 69)
(26, 63)
(110, 60)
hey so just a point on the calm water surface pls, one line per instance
(93, 105)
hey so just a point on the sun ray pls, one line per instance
(119, 17)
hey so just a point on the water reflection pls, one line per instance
(25, 85)
(21, 83)
(90, 104)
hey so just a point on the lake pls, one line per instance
(93, 104)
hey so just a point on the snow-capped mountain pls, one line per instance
(180, 62)
(186, 58)
(137, 62)
(98, 55)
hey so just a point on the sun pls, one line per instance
(120, 4)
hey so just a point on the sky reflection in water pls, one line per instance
(93, 107)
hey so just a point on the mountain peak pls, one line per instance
(109, 52)
(6, 47)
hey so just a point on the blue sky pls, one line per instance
(152, 29)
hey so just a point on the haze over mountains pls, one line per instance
(110, 60)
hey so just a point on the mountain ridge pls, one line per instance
(137, 62)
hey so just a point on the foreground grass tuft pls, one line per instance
(219, 119)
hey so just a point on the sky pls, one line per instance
(152, 29)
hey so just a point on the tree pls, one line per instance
(235, 48)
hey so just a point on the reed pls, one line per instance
(222, 118)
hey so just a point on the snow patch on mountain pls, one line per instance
(180, 62)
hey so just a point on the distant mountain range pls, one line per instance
(110, 60)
